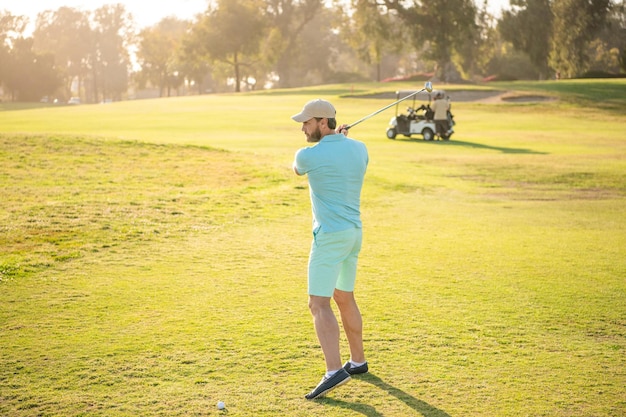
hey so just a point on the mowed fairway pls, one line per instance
(153, 259)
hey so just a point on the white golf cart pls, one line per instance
(417, 121)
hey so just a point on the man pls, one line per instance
(441, 107)
(335, 167)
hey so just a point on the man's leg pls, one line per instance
(327, 330)
(352, 323)
(439, 127)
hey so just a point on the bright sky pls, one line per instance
(144, 12)
(148, 13)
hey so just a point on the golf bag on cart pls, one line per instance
(451, 121)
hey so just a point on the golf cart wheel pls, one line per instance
(428, 134)
(391, 133)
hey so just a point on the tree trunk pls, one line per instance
(237, 81)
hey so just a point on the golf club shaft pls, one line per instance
(383, 109)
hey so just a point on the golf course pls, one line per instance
(153, 256)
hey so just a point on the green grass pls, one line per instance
(602, 94)
(153, 260)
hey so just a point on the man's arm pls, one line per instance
(295, 169)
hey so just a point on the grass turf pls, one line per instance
(154, 257)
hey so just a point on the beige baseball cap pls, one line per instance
(315, 108)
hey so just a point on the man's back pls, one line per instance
(440, 108)
(336, 167)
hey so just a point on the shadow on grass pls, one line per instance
(423, 408)
(474, 145)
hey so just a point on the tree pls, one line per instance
(195, 67)
(323, 55)
(159, 51)
(528, 27)
(439, 28)
(373, 32)
(232, 33)
(619, 12)
(288, 19)
(481, 47)
(66, 33)
(11, 28)
(576, 22)
(110, 61)
(29, 76)
(608, 50)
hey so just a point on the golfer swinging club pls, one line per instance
(335, 167)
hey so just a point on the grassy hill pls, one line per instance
(153, 258)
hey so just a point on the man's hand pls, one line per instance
(342, 129)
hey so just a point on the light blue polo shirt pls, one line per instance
(336, 167)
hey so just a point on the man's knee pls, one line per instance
(343, 298)
(317, 303)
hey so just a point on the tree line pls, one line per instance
(251, 44)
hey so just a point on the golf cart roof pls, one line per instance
(411, 91)
(404, 93)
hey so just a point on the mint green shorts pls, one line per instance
(333, 260)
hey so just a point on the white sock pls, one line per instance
(330, 373)
(356, 364)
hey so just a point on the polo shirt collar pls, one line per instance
(333, 138)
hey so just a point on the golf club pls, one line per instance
(428, 86)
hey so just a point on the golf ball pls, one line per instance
(221, 405)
